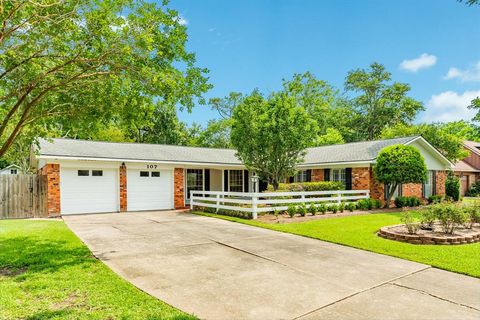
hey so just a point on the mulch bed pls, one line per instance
(285, 218)
(436, 236)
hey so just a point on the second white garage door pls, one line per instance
(149, 190)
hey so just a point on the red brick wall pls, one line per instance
(377, 190)
(361, 178)
(52, 171)
(123, 188)
(441, 176)
(178, 189)
(317, 175)
(412, 190)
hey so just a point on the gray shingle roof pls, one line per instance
(349, 152)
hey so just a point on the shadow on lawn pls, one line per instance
(23, 254)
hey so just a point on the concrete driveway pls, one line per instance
(217, 269)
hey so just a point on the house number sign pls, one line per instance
(151, 166)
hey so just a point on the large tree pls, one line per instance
(377, 102)
(83, 61)
(271, 134)
(440, 135)
(399, 164)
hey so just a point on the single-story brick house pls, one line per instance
(94, 177)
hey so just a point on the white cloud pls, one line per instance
(472, 74)
(450, 106)
(211, 29)
(424, 61)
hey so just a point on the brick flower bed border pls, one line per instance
(386, 233)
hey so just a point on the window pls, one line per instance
(301, 176)
(235, 180)
(338, 175)
(144, 174)
(13, 171)
(194, 180)
(155, 173)
(428, 184)
(97, 173)
(83, 173)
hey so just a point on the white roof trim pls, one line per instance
(303, 165)
(438, 153)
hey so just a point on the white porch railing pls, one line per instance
(270, 201)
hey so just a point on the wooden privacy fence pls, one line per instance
(271, 201)
(23, 196)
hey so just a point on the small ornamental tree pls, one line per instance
(399, 164)
(271, 135)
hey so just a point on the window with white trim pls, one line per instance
(301, 176)
(339, 175)
(235, 180)
(13, 171)
(194, 180)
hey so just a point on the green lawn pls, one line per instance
(360, 232)
(47, 273)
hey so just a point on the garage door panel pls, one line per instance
(88, 194)
(149, 192)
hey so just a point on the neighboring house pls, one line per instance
(91, 176)
(468, 169)
(11, 169)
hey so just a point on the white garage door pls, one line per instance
(149, 190)
(88, 190)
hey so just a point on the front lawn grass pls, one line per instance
(360, 232)
(46, 272)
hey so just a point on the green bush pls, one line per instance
(449, 215)
(452, 187)
(233, 213)
(308, 186)
(410, 222)
(292, 210)
(435, 199)
(401, 202)
(350, 206)
(427, 218)
(472, 212)
(341, 207)
(322, 208)
(302, 210)
(312, 209)
(474, 190)
(333, 208)
(368, 204)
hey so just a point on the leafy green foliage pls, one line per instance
(271, 134)
(350, 206)
(474, 190)
(377, 102)
(302, 210)
(452, 187)
(472, 213)
(333, 208)
(401, 202)
(399, 164)
(331, 136)
(450, 216)
(427, 217)
(312, 209)
(435, 199)
(410, 222)
(322, 208)
(308, 186)
(446, 138)
(292, 210)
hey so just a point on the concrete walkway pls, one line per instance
(217, 269)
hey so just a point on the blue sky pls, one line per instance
(249, 44)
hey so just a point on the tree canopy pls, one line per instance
(67, 64)
(271, 135)
(399, 164)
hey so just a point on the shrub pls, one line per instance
(308, 186)
(472, 213)
(410, 222)
(401, 202)
(435, 199)
(452, 187)
(341, 207)
(292, 210)
(333, 208)
(322, 208)
(474, 190)
(233, 213)
(302, 210)
(368, 204)
(376, 203)
(312, 209)
(350, 206)
(450, 216)
(427, 218)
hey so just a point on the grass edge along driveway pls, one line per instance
(360, 232)
(46, 272)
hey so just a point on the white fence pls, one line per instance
(270, 201)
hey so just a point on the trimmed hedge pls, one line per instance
(401, 202)
(308, 186)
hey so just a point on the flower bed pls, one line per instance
(400, 233)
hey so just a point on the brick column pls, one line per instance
(123, 188)
(377, 190)
(178, 189)
(412, 190)
(440, 178)
(361, 178)
(52, 171)
(317, 175)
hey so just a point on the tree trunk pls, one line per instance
(390, 189)
(275, 184)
